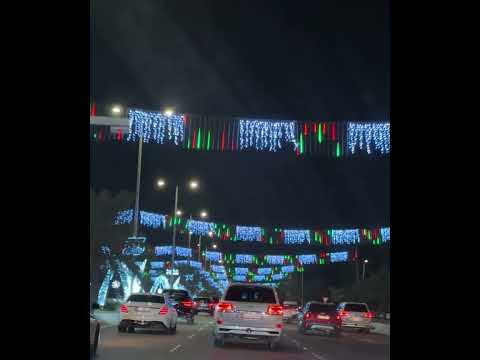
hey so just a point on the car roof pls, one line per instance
(252, 285)
(321, 302)
(146, 294)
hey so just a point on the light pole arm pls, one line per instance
(174, 231)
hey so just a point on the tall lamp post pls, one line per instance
(193, 185)
(365, 262)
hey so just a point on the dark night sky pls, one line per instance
(323, 60)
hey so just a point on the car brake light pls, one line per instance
(164, 310)
(187, 303)
(123, 308)
(225, 307)
(275, 310)
(343, 313)
(279, 326)
(219, 321)
(308, 315)
(368, 315)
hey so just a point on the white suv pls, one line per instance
(251, 312)
(355, 316)
(150, 311)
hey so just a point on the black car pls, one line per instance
(182, 302)
(203, 304)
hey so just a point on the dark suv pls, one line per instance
(182, 302)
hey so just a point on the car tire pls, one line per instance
(274, 345)
(218, 341)
(131, 329)
(94, 347)
(121, 329)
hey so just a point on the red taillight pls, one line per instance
(275, 310)
(308, 315)
(187, 303)
(343, 313)
(279, 326)
(219, 321)
(224, 307)
(164, 310)
(368, 315)
(123, 308)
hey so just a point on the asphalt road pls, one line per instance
(195, 342)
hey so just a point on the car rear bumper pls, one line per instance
(357, 325)
(158, 325)
(247, 331)
(321, 327)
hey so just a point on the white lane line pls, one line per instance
(319, 357)
(107, 326)
(191, 336)
(200, 329)
(175, 348)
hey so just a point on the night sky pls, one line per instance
(317, 60)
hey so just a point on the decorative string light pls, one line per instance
(385, 234)
(133, 250)
(296, 236)
(200, 227)
(213, 255)
(264, 271)
(361, 136)
(288, 269)
(244, 259)
(155, 127)
(196, 264)
(307, 259)
(249, 233)
(148, 219)
(102, 293)
(267, 135)
(181, 262)
(183, 251)
(259, 278)
(338, 256)
(277, 277)
(157, 264)
(222, 277)
(218, 268)
(241, 271)
(163, 250)
(240, 278)
(274, 259)
(342, 237)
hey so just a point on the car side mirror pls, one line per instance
(95, 306)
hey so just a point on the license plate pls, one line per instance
(251, 316)
(356, 319)
(323, 317)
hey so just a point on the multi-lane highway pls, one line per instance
(195, 342)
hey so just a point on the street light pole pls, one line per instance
(364, 265)
(174, 234)
(137, 193)
(302, 287)
(190, 236)
(199, 248)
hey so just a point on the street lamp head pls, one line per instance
(365, 261)
(116, 110)
(179, 212)
(168, 112)
(214, 246)
(203, 214)
(220, 261)
(210, 233)
(193, 184)
(161, 183)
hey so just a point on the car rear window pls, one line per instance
(356, 307)
(250, 294)
(176, 294)
(317, 308)
(147, 298)
(289, 306)
(202, 299)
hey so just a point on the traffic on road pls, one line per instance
(247, 321)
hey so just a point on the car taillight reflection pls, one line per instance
(275, 310)
(187, 303)
(368, 315)
(123, 308)
(224, 307)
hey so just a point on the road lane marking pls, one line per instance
(319, 357)
(107, 326)
(175, 348)
(191, 336)
(200, 329)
